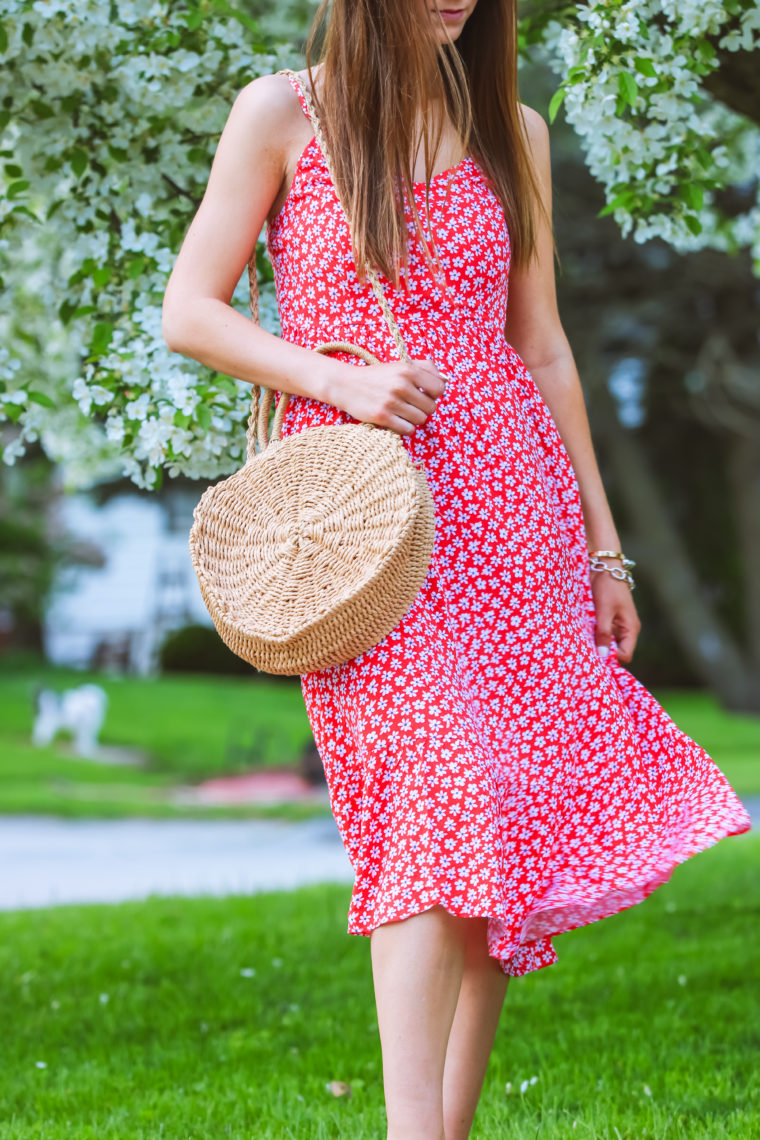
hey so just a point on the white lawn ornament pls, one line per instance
(78, 711)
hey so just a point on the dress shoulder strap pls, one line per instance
(295, 83)
(304, 96)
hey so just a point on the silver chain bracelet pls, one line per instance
(622, 573)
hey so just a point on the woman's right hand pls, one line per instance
(396, 395)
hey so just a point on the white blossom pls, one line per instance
(632, 90)
(116, 154)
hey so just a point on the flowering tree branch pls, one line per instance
(663, 95)
(109, 115)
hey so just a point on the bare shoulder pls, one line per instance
(537, 131)
(269, 107)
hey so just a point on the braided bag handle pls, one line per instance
(261, 402)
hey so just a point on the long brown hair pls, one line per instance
(382, 74)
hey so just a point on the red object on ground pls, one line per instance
(258, 788)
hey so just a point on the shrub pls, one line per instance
(199, 649)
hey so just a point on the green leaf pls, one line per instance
(82, 311)
(135, 266)
(27, 34)
(704, 158)
(13, 411)
(620, 201)
(693, 224)
(225, 384)
(102, 276)
(102, 335)
(627, 88)
(556, 103)
(66, 311)
(22, 210)
(693, 195)
(79, 161)
(41, 110)
(181, 419)
(3, 39)
(17, 188)
(41, 399)
(203, 415)
(247, 21)
(645, 67)
(12, 170)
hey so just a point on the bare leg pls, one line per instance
(417, 966)
(481, 996)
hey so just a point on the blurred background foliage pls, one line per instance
(667, 348)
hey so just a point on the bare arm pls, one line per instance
(535, 331)
(250, 171)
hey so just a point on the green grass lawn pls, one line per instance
(187, 728)
(192, 727)
(228, 1018)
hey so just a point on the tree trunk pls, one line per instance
(744, 473)
(736, 82)
(709, 646)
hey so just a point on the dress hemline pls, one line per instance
(534, 952)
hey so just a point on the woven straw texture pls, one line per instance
(316, 548)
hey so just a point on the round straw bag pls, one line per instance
(316, 548)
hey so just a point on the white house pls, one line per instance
(118, 615)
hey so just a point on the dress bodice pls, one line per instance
(321, 298)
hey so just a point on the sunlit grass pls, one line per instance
(228, 1018)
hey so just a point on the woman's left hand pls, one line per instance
(615, 614)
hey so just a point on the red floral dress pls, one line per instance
(483, 757)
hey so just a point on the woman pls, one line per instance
(496, 773)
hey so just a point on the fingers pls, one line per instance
(400, 425)
(411, 395)
(602, 638)
(626, 627)
(415, 398)
(429, 378)
(400, 395)
(616, 618)
(626, 646)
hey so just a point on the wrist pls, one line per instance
(602, 539)
(327, 379)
